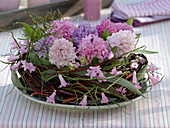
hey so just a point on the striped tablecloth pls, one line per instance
(153, 112)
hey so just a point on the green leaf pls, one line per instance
(46, 75)
(141, 72)
(16, 81)
(138, 35)
(95, 61)
(130, 21)
(114, 49)
(105, 34)
(126, 83)
(145, 52)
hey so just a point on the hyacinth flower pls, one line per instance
(115, 72)
(28, 66)
(111, 55)
(154, 80)
(104, 98)
(83, 101)
(12, 57)
(51, 98)
(134, 81)
(124, 41)
(152, 68)
(62, 81)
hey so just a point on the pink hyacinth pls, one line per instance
(62, 81)
(62, 53)
(134, 81)
(63, 28)
(92, 46)
(111, 55)
(104, 98)
(106, 25)
(152, 68)
(83, 101)
(51, 99)
(28, 66)
(124, 41)
(115, 72)
(12, 57)
(122, 26)
(154, 80)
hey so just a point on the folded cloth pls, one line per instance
(144, 12)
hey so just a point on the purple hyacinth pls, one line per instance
(82, 31)
(42, 47)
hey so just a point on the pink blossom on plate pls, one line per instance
(16, 66)
(101, 75)
(23, 50)
(134, 81)
(121, 89)
(28, 66)
(152, 68)
(51, 99)
(104, 98)
(134, 64)
(12, 57)
(93, 71)
(62, 81)
(83, 101)
(154, 80)
(141, 59)
(115, 72)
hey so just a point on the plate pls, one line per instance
(18, 85)
(77, 107)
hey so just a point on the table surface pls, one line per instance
(152, 112)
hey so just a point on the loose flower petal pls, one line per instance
(62, 81)
(84, 101)
(51, 99)
(111, 55)
(104, 98)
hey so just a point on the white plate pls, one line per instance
(76, 107)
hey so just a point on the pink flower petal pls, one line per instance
(84, 101)
(153, 79)
(62, 81)
(51, 99)
(104, 98)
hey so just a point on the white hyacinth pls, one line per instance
(62, 52)
(124, 40)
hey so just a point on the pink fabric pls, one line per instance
(147, 8)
